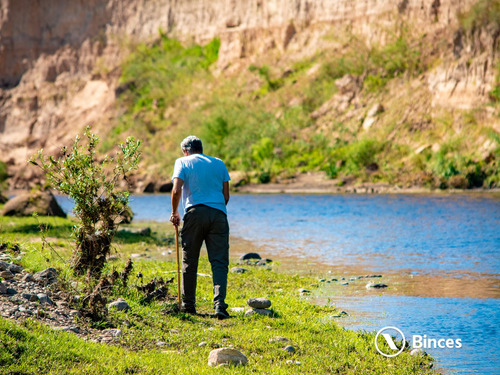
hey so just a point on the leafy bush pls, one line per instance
(271, 84)
(93, 187)
(356, 156)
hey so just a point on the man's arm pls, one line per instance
(175, 218)
(225, 191)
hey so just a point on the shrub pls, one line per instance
(272, 84)
(93, 187)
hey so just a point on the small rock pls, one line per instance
(375, 110)
(264, 312)
(161, 343)
(344, 283)
(418, 352)
(14, 268)
(340, 315)
(119, 305)
(322, 280)
(75, 314)
(289, 349)
(238, 270)
(7, 275)
(202, 344)
(377, 286)
(28, 278)
(30, 297)
(47, 276)
(304, 291)
(44, 299)
(68, 329)
(3, 288)
(61, 304)
(263, 262)
(113, 332)
(352, 279)
(248, 256)
(137, 255)
(226, 356)
(334, 279)
(11, 291)
(290, 362)
(259, 303)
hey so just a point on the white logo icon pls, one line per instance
(387, 333)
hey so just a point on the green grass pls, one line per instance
(322, 346)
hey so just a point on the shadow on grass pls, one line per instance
(125, 236)
(61, 230)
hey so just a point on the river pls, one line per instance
(438, 254)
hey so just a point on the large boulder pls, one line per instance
(226, 356)
(26, 204)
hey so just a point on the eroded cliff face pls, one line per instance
(59, 59)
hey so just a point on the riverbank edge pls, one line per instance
(364, 189)
(46, 334)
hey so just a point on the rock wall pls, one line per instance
(58, 58)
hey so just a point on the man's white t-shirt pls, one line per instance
(203, 177)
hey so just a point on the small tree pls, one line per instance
(92, 185)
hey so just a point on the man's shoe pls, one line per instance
(188, 310)
(221, 313)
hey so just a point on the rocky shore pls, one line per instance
(38, 296)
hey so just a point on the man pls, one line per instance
(203, 183)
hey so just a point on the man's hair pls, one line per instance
(192, 145)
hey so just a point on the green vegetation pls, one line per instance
(378, 65)
(99, 204)
(322, 346)
(483, 14)
(273, 121)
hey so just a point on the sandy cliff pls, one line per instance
(59, 59)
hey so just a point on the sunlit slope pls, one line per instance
(358, 111)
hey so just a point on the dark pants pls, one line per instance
(203, 223)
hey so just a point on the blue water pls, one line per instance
(429, 236)
(474, 321)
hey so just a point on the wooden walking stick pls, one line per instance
(178, 266)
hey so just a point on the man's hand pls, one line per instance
(175, 218)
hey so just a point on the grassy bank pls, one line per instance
(322, 347)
